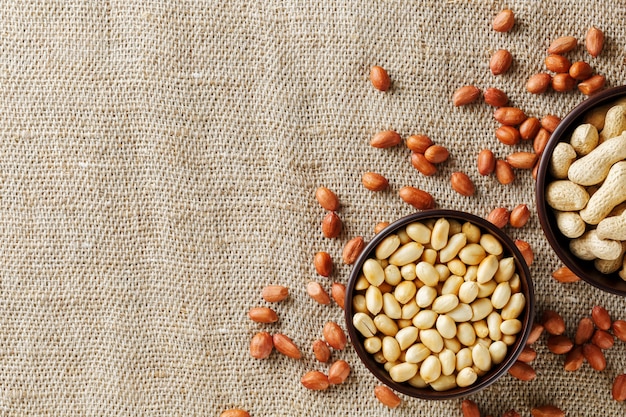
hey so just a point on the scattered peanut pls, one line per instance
(379, 78)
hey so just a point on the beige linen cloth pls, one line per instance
(158, 163)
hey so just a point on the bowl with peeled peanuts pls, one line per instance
(439, 304)
(581, 190)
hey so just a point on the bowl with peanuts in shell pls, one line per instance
(439, 304)
(581, 190)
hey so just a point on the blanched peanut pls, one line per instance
(391, 307)
(392, 275)
(391, 349)
(358, 303)
(471, 231)
(448, 361)
(506, 269)
(361, 283)
(432, 340)
(462, 312)
(514, 307)
(452, 285)
(406, 337)
(480, 328)
(405, 291)
(494, 320)
(452, 344)
(404, 237)
(444, 383)
(429, 256)
(468, 291)
(501, 295)
(464, 359)
(491, 244)
(445, 303)
(417, 381)
(451, 250)
(457, 267)
(385, 325)
(498, 351)
(511, 326)
(403, 372)
(466, 377)
(373, 272)
(481, 357)
(387, 246)
(487, 269)
(418, 232)
(444, 272)
(407, 253)
(481, 308)
(374, 300)
(470, 274)
(509, 339)
(417, 353)
(439, 236)
(378, 357)
(570, 223)
(465, 333)
(487, 288)
(430, 369)
(472, 254)
(427, 273)
(408, 272)
(515, 283)
(364, 324)
(373, 344)
(425, 296)
(389, 365)
(446, 326)
(409, 310)
(425, 319)
(402, 323)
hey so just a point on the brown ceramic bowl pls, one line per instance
(514, 350)
(584, 269)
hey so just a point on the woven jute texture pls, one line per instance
(158, 164)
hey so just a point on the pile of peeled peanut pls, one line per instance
(589, 188)
(438, 303)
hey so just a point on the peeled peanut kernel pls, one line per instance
(385, 325)
(501, 295)
(494, 320)
(470, 274)
(491, 244)
(481, 308)
(481, 357)
(373, 272)
(511, 326)
(374, 300)
(452, 285)
(403, 323)
(462, 312)
(429, 256)
(425, 296)
(472, 254)
(361, 283)
(391, 349)
(455, 243)
(466, 334)
(514, 307)
(485, 289)
(447, 359)
(405, 291)
(439, 236)
(464, 359)
(387, 246)
(358, 303)
(391, 307)
(452, 344)
(403, 372)
(409, 310)
(471, 231)
(417, 353)
(430, 369)
(364, 324)
(408, 272)
(480, 328)
(457, 267)
(446, 326)
(427, 273)
(407, 336)
(407, 253)
(419, 232)
(468, 291)
(487, 269)
(432, 340)
(392, 275)
(404, 237)
(425, 319)
(445, 303)
(444, 383)
(498, 351)
(506, 269)
(466, 377)
(372, 344)
(417, 381)
(443, 271)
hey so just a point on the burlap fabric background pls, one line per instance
(158, 162)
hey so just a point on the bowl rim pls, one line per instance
(514, 351)
(546, 218)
